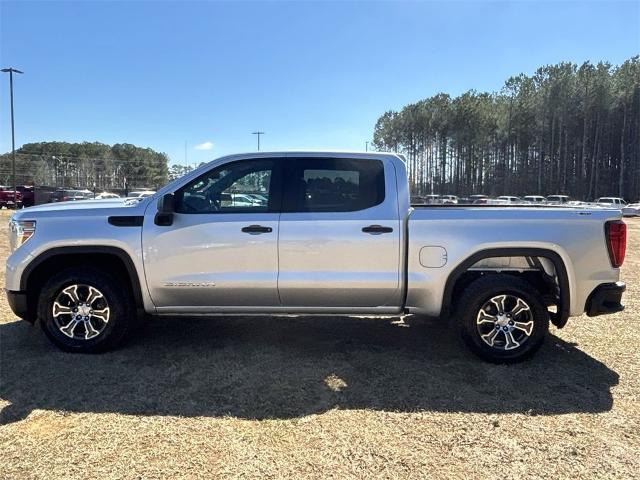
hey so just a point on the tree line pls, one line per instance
(565, 129)
(91, 165)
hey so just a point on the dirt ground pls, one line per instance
(322, 398)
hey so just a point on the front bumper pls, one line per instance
(605, 299)
(18, 303)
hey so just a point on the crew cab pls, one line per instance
(335, 234)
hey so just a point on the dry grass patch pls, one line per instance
(322, 398)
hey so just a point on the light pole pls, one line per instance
(57, 169)
(366, 146)
(258, 134)
(11, 71)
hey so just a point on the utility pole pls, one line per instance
(258, 134)
(11, 71)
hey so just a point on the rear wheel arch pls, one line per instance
(562, 315)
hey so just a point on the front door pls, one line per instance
(221, 251)
(339, 235)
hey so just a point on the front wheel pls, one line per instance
(85, 310)
(502, 318)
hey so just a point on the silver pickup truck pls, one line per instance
(311, 233)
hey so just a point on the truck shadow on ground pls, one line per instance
(258, 368)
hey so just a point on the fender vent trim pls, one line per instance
(126, 221)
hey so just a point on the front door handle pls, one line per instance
(377, 229)
(257, 229)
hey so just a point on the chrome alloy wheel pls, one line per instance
(505, 322)
(81, 312)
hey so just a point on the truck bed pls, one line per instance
(456, 232)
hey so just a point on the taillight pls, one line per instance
(616, 232)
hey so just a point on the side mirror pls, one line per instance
(166, 209)
(167, 203)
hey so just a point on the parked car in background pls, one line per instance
(9, 198)
(449, 199)
(141, 193)
(104, 195)
(478, 199)
(611, 201)
(558, 199)
(493, 201)
(631, 210)
(510, 199)
(87, 194)
(534, 199)
(68, 196)
(28, 195)
(241, 200)
(259, 197)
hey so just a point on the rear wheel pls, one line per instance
(502, 318)
(85, 310)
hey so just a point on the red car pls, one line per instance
(7, 198)
(28, 195)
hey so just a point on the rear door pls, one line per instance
(339, 243)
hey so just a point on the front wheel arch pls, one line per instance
(111, 259)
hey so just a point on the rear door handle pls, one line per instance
(377, 229)
(257, 229)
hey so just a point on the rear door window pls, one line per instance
(333, 184)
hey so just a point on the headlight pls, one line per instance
(20, 231)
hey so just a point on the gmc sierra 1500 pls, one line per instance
(311, 233)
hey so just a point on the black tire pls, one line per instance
(477, 331)
(116, 305)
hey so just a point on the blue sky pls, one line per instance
(310, 74)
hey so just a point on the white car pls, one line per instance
(449, 199)
(534, 199)
(259, 198)
(510, 199)
(104, 195)
(558, 199)
(245, 198)
(492, 201)
(141, 193)
(478, 199)
(631, 210)
(611, 201)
